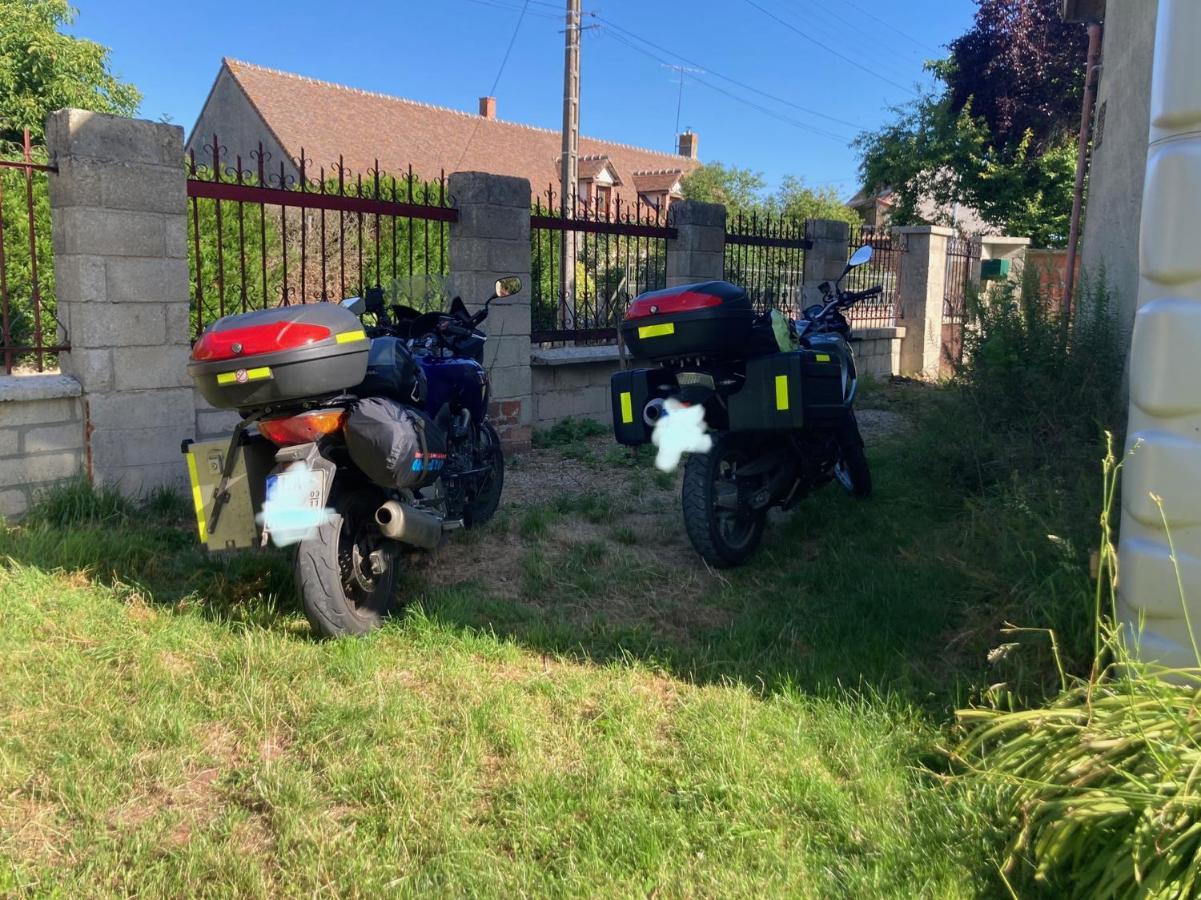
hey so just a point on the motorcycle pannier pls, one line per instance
(630, 392)
(772, 398)
(711, 319)
(395, 446)
(274, 355)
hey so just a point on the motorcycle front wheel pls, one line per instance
(346, 573)
(852, 471)
(723, 529)
(485, 496)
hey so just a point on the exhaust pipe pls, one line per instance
(409, 525)
(653, 411)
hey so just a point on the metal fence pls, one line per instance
(266, 233)
(588, 261)
(885, 268)
(29, 328)
(963, 269)
(765, 254)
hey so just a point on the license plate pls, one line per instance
(295, 504)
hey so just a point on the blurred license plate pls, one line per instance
(295, 505)
(296, 489)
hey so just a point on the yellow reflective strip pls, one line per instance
(627, 408)
(259, 374)
(347, 336)
(822, 357)
(649, 331)
(782, 392)
(197, 498)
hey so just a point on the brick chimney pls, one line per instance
(488, 107)
(688, 144)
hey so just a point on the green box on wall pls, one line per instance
(994, 270)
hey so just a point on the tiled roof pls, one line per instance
(591, 166)
(657, 182)
(329, 119)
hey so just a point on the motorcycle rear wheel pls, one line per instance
(723, 537)
(486, 498)
(338, 589)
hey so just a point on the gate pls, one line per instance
(888, 250)
(963, 269)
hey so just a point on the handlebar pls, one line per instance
(849, 297)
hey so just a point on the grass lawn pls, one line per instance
(571, 705)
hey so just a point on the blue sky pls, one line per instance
(844, 61)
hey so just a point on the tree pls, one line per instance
(796, 200)
(42, 69)
(739, 190)
(998, 135)
(744, 191)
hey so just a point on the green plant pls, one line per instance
(566, 432)
(1100, 786)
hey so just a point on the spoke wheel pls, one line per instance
(720, 523)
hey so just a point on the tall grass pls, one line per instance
(1014, 437)
(1101, 787)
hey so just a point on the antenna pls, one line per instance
(680, 97)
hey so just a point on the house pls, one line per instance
(1121, 125)
(362, 130)
(875, 208)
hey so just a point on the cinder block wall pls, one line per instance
(41, 437)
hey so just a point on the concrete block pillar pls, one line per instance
(923, 286)
(119, 210)
(825, 260)
(698, 251)
(492, 240)
(1006, 247)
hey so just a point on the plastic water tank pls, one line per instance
(1165, 364)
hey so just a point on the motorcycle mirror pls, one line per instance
(860, 256)
(507, 286)
(356, 305)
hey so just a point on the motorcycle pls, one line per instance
(363, 434)
(777, 398)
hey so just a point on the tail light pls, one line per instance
(302, 429)
(271, 338)
(684, 301)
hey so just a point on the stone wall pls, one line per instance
(877, 351)
(41, 437)
(118, 205)
(572, 382)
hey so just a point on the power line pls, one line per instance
(796, 123)
(829, 49)
(513, 7)
(734, 81)
(496, 81)
(884, 50)
(907, 37)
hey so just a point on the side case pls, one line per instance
(630, 391)
(772, 398)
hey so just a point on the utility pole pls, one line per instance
(569, 174)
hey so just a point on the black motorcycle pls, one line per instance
(777, 395)
(364, 431)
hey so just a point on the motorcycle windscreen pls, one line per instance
(235, 526)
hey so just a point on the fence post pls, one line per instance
(490, 240)
(119, 212)
(923, 287)
(698, 251)
(826, 259)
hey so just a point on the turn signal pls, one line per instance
(302, 429)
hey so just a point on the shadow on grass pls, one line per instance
(149, 547)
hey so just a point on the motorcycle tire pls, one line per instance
(723, 538)
(338, 590)
(486, 498)
(855, 475)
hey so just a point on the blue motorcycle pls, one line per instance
(364, 433)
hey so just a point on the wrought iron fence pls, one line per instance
(765, 254)
(963, 270)
(29, 328)
(266, 233)
(588, 261)
(885, 268)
